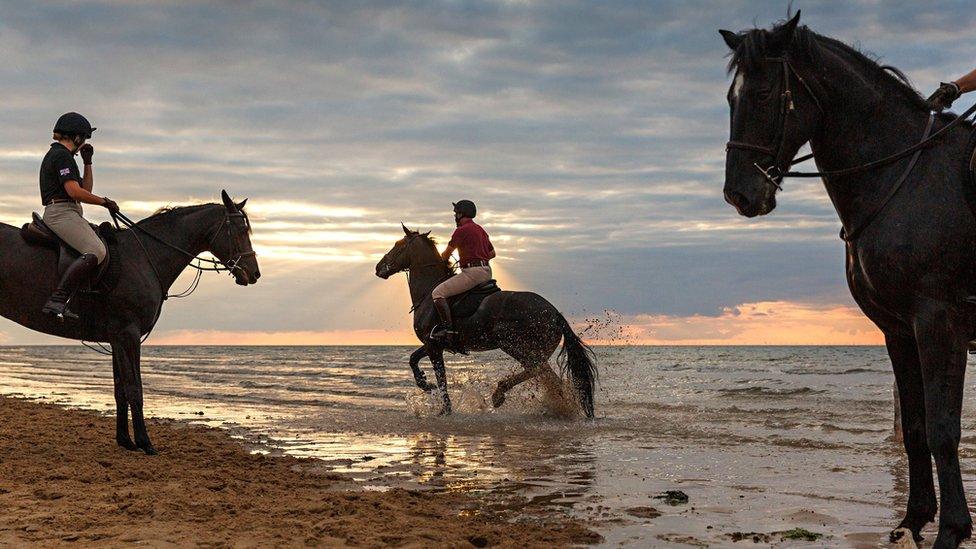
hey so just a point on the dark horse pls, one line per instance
(522, 324)
(150, 257)
(910, 235)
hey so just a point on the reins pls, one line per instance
(780, 167)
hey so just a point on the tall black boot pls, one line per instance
(444, 332)
(73, 278)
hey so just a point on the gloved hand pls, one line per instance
(944, 96)
(110, 205)
(86, 152)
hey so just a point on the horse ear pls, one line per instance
(228, 203)
(426, 234)
(732, 40)
(406, 231)
(241, 204)
(783, 35)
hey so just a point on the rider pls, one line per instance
(63, 188)
(950, 91)
(475, 251)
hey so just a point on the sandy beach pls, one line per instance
(63, 481)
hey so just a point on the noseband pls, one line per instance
(775, 172)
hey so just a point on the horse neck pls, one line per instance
(423, 279)
(866, 117)
(187, 230)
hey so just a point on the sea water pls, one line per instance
(762, 439)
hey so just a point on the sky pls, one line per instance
(591, 135)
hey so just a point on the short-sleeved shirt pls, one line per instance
(57, 168)
(472, 242)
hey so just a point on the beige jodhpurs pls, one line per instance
(65, 219)
(461, 282)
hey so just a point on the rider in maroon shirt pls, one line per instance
(475, 250)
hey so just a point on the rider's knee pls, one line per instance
(99, 252)
(438, 293)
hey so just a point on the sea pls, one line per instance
(761, 440)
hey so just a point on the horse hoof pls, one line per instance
(497, 399)
(149, 450)
(903, 538)
(126, 443)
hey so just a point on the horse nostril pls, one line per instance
(737, 199)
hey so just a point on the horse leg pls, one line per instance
(440, 372)
(942, 352)
(922, 504)
(129, 345)
(121, 405)
(418, 374)
(507, 384)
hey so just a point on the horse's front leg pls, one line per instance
(128, 348)
(418, 374)
(440, 372)
(922, 504)
(121, 404)
(942, 352)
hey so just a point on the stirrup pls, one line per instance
(61, 315)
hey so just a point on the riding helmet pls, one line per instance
(72, 123)
(466, 208)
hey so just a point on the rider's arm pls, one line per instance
(88, 179)
(79, 193)
(967, 83)
(447, 252)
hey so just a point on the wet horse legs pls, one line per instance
(440, 372)
(418, 374)
(942, 354)
(922, 504)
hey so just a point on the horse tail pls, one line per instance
(577, 357)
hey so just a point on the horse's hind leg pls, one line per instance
(942, 353)
(507, 384)
(418, 374)
(128, 343)
(922, 504)
(121, 405)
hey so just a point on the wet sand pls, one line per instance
(64, 481)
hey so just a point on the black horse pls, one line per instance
(522, 324)
(910, 235)
(149, 257)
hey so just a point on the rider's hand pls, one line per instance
(87, 151)
(944, 96)
(110, 205)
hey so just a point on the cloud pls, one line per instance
(590, 134)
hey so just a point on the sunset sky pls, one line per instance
(590, 134)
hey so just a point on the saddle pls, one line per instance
(37, 233)
(466, 304)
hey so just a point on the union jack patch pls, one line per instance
(65, 171)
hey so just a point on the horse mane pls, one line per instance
(432, 242)
(169, 211)
(810, 46)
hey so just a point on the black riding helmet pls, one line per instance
(72, 123)
(466, 208)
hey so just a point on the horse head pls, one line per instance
(231, 242)
(402, 255)
(773, 112)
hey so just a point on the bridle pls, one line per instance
(232, 266)
(395, 258)
(775, 172)
(780, 167)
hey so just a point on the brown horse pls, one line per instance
(909, 233)
(522, 324)
(150, 256)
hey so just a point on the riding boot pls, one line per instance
(444, 331)
(73, 278)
